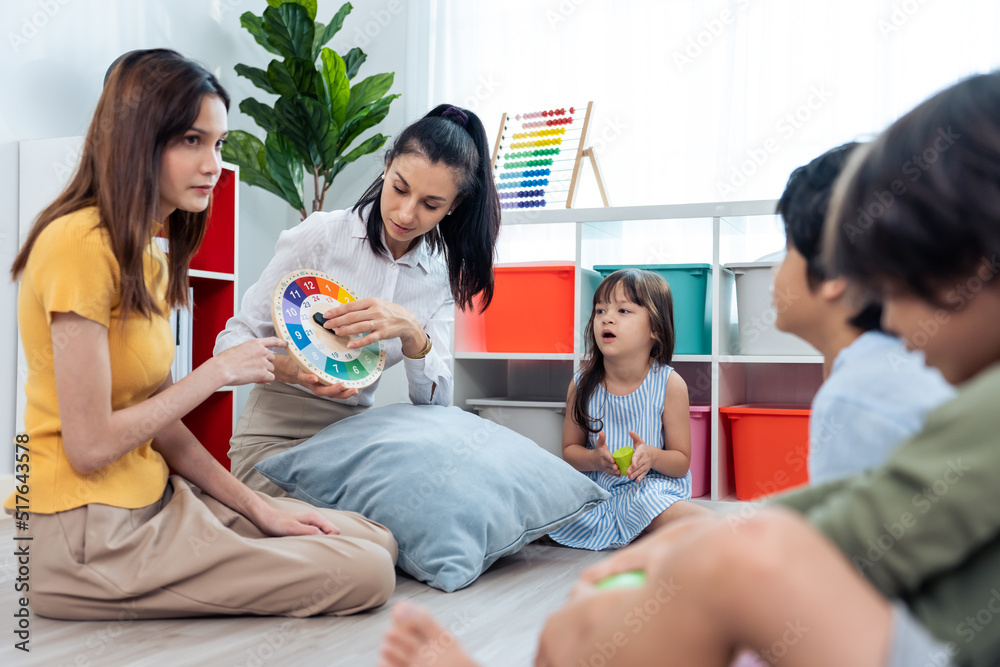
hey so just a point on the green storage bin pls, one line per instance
(690, 286)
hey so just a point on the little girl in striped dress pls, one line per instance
(627, 395)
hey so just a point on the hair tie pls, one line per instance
(455, 114)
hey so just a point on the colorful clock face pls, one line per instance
(296, 299)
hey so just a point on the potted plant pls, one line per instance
(318, 115)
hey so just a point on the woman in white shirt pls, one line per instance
(419, 240)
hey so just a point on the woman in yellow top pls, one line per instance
(103, 417)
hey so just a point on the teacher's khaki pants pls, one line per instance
(189, 555)
(277, 417)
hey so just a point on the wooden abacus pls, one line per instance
(535, 169)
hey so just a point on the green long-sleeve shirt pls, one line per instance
(925, 526)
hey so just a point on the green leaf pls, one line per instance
(307, 124)
(247, 151)
(257, 76)
(324, 36)
(254, 25)
(290, 30)
(323, 132)
(284, 168)
(337, 87)
(353, 60)
(369, 117)
(262, 114)
(369, 145)
(292, 126)
(318, 29)
(293, 77)
(367, 91)
(310, 5)
(322, 93)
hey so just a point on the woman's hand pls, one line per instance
(286, 370)
(642, 458)
(602, 458)
(279, 523)
(249, 362)
(382, 320)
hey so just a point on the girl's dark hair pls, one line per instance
(803, 207)
(150, 97)
(646, 289)
(468, 236)
(921, 207)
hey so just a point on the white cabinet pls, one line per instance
(711, 233)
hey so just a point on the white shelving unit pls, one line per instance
(713, 233)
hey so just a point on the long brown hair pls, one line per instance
(646, 289)
(150, 97)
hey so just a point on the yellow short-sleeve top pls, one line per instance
(71, 268)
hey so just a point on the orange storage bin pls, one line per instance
(770, 447)
(532, 310)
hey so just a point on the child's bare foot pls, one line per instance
(415, 639)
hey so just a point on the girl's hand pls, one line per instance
(279, 523)
(602, 457)
(248, 362)
(286, 370)
(642, 458)
(383, 320)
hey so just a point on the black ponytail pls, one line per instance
(456, 138)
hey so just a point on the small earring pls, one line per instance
(381, 176)
(450, 212)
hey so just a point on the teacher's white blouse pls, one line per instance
(335, 243)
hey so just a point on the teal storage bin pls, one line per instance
(689, 285)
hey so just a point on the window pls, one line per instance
(694, 100)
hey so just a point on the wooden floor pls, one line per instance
(498, 619)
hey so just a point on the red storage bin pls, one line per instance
(532, 309)
(770, 447)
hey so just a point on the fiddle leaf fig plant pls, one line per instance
(316, 122)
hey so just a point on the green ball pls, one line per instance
(633, 579)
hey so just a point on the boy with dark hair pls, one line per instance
(875, 392)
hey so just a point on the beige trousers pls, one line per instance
(190, 555)
(278, 417)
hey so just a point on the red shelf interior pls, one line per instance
(212, 423)
(216, 252)
(213, 306)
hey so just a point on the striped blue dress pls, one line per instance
(632, 505)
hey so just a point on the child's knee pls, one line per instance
(758, 548)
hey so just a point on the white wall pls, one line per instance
(53, 56)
